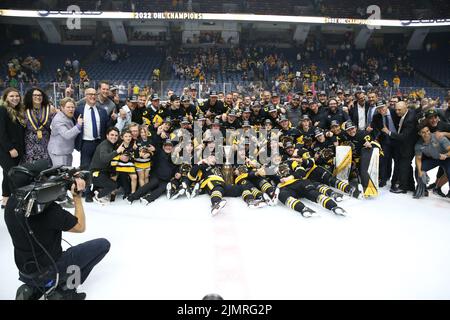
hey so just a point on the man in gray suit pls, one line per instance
(64, 131)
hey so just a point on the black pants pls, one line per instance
(6, 162)
(231, 190)
(87, 152)
(385, 166)
(405, 172)
(123, 180)
(104, 183)
(155, 188)
(304, 189)
(85, 256)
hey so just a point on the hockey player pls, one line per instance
(294, 184)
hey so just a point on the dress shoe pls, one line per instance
(394, 188)
(398, 191)
(382, 184)
(439, 192)
(431, 186)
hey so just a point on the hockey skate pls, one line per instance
(275, 196)
(177, 193)
(355, 193)
(308, 212)
(146, 200)
(218, 206)
(337, 197)
(257, 203)
(339, 211)
(187, 190)
(169, 192)
(195, 191)
(102, 201)
(130, 199)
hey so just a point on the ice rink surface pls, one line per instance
(392, 247)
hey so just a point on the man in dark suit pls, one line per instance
(385, 117)
(359, 112)
(405, 137)
(95, 122)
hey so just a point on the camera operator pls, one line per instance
(42, 263)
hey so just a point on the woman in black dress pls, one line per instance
(12, 128)
(38, 116)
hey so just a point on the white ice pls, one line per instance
(392, 247)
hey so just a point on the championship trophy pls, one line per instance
(227, 169)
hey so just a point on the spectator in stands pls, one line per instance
(12, 130)
(64, 133)
(38, 116)
(396, 82)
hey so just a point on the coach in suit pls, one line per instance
(385, 117)
(95, 122)
(405, 138)
(63, 135)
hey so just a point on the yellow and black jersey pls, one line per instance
(142, 163)
(125, 166)
(293, 170)
(150, 116)
(208, 176)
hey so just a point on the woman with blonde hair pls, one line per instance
(64, 130)
(12, 128)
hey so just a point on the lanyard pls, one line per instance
(38, 124)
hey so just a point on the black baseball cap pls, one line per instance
(335, 123)
(431, 113)
(349, 125)
(174, 97)
(318, 132)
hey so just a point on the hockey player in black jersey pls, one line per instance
(318, 173)
(294, 184)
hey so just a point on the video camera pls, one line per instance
(44, 187)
